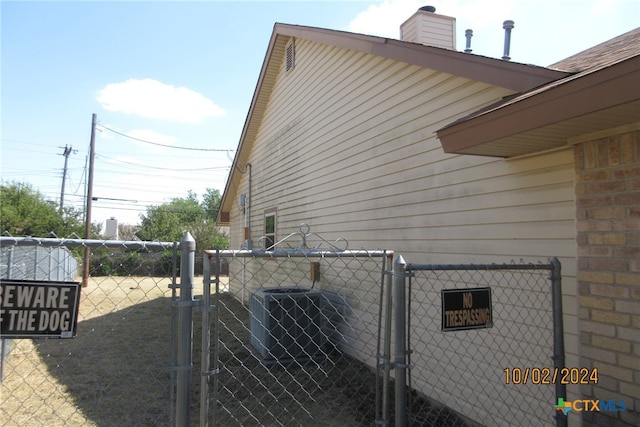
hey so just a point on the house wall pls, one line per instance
(347, 145)
(608, 223)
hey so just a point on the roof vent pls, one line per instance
(468, 34)
(428, 9)
(508, 26)
(428, 28)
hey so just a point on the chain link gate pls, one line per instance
(295, 338)
(115, 371)
(479, 376)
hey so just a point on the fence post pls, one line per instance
(400, 361)
(558, 334)
(206, 341)
(185, 330)
(386, 358)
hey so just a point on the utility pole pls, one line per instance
(67, 151)
(87, 229)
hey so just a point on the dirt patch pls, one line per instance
(116, 371)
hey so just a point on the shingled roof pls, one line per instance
(612, 51)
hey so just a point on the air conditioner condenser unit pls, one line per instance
(286, 323)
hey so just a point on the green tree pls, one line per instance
(211, 203)
(25, 212)
(168, 222)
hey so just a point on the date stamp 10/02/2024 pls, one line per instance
(551, 375)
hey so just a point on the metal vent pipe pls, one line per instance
(508, 26)
(468, 34)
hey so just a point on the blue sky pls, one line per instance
(181, 76)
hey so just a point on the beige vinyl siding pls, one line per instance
(343, 165)
(347, 145)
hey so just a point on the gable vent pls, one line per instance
(290, 52)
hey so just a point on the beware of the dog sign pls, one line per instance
(33, 309)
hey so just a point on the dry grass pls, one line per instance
(115, 372)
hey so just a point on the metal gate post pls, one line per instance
(400, 359)
(185, 330)
(386, 357)
(206, 337)
(558, 334)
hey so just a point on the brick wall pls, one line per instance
(608, 233)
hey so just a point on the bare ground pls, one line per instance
(115, 372)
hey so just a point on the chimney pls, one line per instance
(428, 28)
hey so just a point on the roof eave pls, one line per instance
(598, 91)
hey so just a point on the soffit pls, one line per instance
(548, 116)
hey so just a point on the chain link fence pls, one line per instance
(295, 336)
(115, 371)
(283, 337)
(481, 374)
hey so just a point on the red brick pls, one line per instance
(628, 198)
(634, 212)
(633, 184)
(602, 153)
(627, 307)
(608, 212)
(595, 175)
(605, 187)
(592, 201)
(627, 252)
(594, 226)
(633, 238)
(608, 264)
(625, 172)
(610, 291)
(578, 157)
(585, 289)
(614, 152)
(627, 225)
(626, 148)
(590, 155)
(581, 238)
(594, 251)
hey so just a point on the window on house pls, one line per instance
(269, 228)
(290, 54)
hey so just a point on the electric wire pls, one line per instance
(137, 165)
(163, 145)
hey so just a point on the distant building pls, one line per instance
(111, 229)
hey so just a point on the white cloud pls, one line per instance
(384, 19)
(153, 99)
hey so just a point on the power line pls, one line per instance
(163, 145)
(137, 165)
